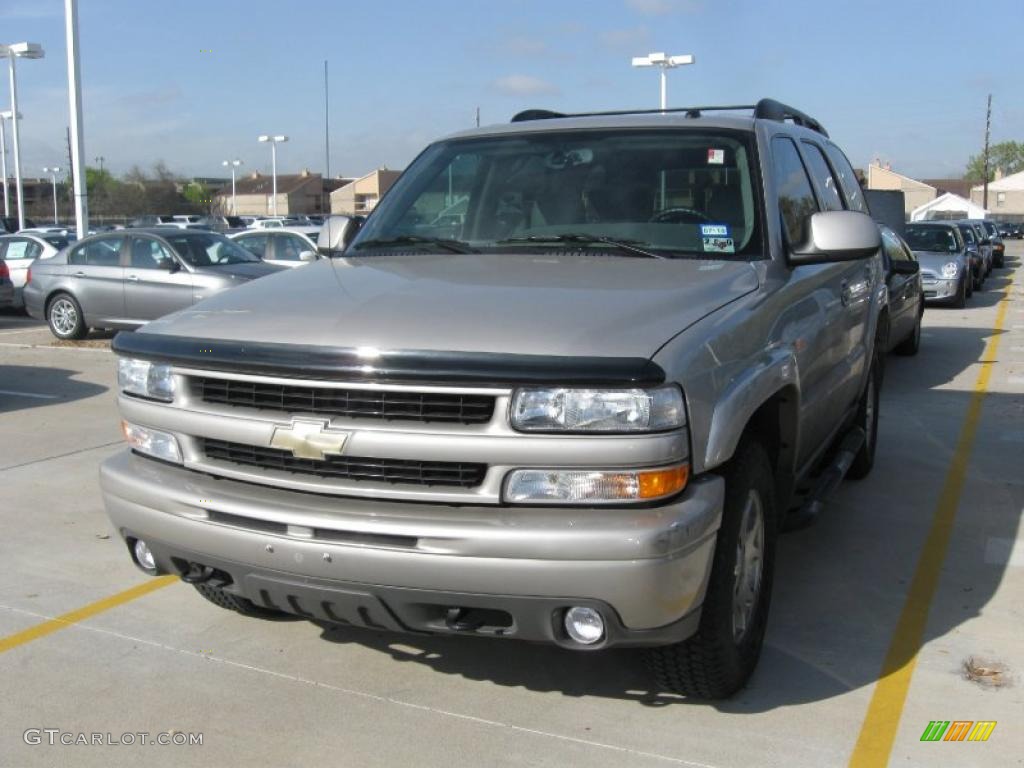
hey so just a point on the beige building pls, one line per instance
(1005, 196)
(361, 195)
(915, 193)
(304, 192)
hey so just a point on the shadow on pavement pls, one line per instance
(37, 387)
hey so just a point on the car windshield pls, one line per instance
(930, 239)
(209, 249)
(676, 194)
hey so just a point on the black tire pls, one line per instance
(232, 602)
(1000, 261)
(960, 300)
(910, 345)
(867, 419)
(719, 659)
(64, 316)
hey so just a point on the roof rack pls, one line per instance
(765, 109)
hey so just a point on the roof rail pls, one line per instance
(765, 109)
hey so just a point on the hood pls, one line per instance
(551, 304)
(248, 270)
(933, 261)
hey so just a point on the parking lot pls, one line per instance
(926, 554)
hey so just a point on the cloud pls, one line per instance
(523, 45)
(524, 85)
(664, 7)
(623, 39)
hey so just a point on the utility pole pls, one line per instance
(478, 117)
(988, 127)
(75, 99)
(327, 148)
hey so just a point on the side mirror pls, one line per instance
(171, 265)
(336, 233)
(905, 267)
(837, 236)
(307, 256)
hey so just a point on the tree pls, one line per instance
(1006, 155)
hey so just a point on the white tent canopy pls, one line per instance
(948, 206)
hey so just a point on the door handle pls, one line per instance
(133, 278)
(79, 274)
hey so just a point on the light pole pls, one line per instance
(274, 141)
(232, 164)
(75, 138)
(100, 160)
(664, 63)
(12, 52)
(53, 175)
(4, 117)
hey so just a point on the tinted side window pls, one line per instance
(149, 254)
(968, 234)
(104, 252)
(793, 188)
(289, 247)
(893, 247)
(847, 179)
(828, 187)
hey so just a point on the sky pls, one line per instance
(194, 83)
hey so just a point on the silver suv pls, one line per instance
(565, 384)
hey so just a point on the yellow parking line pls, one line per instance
(80, 614)
(878, 731)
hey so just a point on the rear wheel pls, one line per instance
(719, 659)
(64, 315)
(232, 602)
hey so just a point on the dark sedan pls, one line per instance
(125, 279)
(906, 294)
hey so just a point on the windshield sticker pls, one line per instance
(716, 157)
(718, 245)
(715, 230)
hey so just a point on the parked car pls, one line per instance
(985, 245)
(971, 239)
(273, 223)
(9, 224)
(17, 253)
(906, 294)
(998, 246)
(946, 262)
(578, 418)
(223, 224)
(126, 279)
(287, 247)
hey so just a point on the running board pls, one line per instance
(827, 482)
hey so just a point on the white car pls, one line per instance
(274, 222)
(286, 247)
(20, 250)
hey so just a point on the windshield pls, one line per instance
(931, 239)
(676, 193)
(209, 250)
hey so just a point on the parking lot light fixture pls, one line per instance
(273, 141)
(53, 176)
(664, 63)
(232, 164)
(12, 52)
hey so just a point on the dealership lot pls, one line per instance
(288, 692)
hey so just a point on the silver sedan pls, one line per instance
(125, 279)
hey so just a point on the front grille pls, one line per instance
(354, 403)
(449, 473)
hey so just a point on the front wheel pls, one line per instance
(867, 419)
(719, 659)
(962, 292)
(64, 315)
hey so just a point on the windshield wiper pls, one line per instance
(452, 246)
(626, 246)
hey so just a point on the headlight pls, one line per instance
(950, 270)
(152, 442)
(585, 486)
(598, 410)
(145, 379)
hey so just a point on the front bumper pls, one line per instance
(941, 289)
(403, 566)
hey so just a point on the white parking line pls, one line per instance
(30, 329)
(1004, 551)
(36, 395)
(49, 346)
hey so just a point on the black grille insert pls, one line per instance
(355, 403)
(448, 473)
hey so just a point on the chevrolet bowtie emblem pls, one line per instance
(308, 439)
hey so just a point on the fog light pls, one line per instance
(144, 556)
(584, 625)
